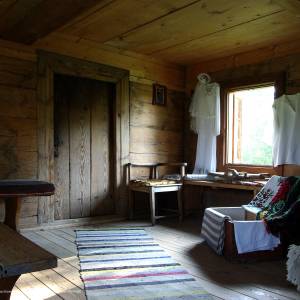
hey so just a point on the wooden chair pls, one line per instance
(154, 185)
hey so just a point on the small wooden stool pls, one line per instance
(153, 186)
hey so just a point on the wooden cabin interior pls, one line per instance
(77, 83)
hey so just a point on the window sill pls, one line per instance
(252, 169)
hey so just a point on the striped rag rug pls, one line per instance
(126, 263)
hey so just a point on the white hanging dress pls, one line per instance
(205, 121)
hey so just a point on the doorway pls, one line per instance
(50, 64)
(83, 147)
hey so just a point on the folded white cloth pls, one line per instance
(252, 236)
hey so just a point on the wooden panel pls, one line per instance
(144, 12)
(144, 114)
(45, 138)
(4, 5)
(291, 170)
(101, 157)
(156, 132)
(241, 59)
(80, 203)
(61, 148)
(17, 102)
(27, 21)
(261, 32)
(83, 149)
(16, 72)
(141, 67)
(155, 142)
(121, 145)
(17, 148)
(194, 21)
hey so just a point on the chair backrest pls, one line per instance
(149, 168)
(153, 170)
(181, 166)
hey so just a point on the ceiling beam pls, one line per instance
(293, 6)
(28, 21)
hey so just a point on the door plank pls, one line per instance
(101, 196)
(80, 203)
(61, 149)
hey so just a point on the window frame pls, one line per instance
(276, 79)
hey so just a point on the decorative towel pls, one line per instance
(252, 236)
(266, 194)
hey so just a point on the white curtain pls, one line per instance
(205, 121)
(286, 147)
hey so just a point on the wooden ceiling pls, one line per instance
(179, 31)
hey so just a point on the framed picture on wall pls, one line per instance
(159, 94)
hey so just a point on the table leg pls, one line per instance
(152, 205)
(6, 286)
(12, 212)
(131, 204)
(180, 204)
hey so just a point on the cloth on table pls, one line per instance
(153, 182)
(252, 236)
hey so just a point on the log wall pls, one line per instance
(156, 132)
(254, 64)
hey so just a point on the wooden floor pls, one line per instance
(223, 279)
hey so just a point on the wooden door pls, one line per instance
(83, 164)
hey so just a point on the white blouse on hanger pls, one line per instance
(286, 146)
(205, 121)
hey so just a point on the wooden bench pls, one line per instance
(18, 255)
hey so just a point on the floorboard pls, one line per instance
(223, 279)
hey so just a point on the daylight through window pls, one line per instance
(250, 126)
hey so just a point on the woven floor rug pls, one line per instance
(128, 264)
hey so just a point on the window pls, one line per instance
(250, 125)
(245, 142)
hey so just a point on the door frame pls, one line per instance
(50, 64)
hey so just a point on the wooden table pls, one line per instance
(222, 185)
(152, 190)
(12, 191)
(18, 255)
(205, 184)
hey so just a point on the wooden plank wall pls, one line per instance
(155, 131)
(18, 135)
(252, 64)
